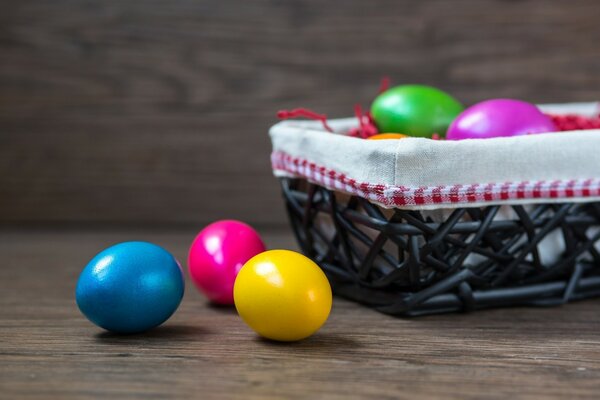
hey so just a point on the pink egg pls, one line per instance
(499, 117)
(217, 255)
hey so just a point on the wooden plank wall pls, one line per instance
(156, 112)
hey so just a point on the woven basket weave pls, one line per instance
(404, 263)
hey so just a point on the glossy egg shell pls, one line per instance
(282, 295)
(499, 118)
(218, 253)
(415, 110)
(130, 287)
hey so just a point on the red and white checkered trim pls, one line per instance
(405, 196)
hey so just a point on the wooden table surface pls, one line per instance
(49, 350)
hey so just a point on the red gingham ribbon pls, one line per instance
(399, 196)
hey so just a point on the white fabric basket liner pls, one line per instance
(424, 174)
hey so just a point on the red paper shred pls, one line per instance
(366, 126)
(572, 122)
(385, 84)
(306, 113)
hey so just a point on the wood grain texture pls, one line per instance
(48, 350)
(157, 112)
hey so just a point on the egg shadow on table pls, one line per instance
(166, 332)
(222, 308)
(317, 342)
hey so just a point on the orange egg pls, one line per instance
(385, 136)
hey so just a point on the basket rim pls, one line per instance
(434, 197)
(531, 169)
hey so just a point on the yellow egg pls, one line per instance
(385, 136)
(282, 295)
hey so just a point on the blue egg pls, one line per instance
(130, 287)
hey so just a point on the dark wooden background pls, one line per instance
(156, 112)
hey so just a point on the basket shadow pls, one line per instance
(510, 323)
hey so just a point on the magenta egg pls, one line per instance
(499, 117)
(217, 255)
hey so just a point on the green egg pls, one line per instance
(415, 110)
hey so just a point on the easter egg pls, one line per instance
(218, 253)
(282, 295)
(387, 136)
(130, 287)
(499, 117)
(416, 110)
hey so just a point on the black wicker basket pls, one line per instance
(404, 262)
